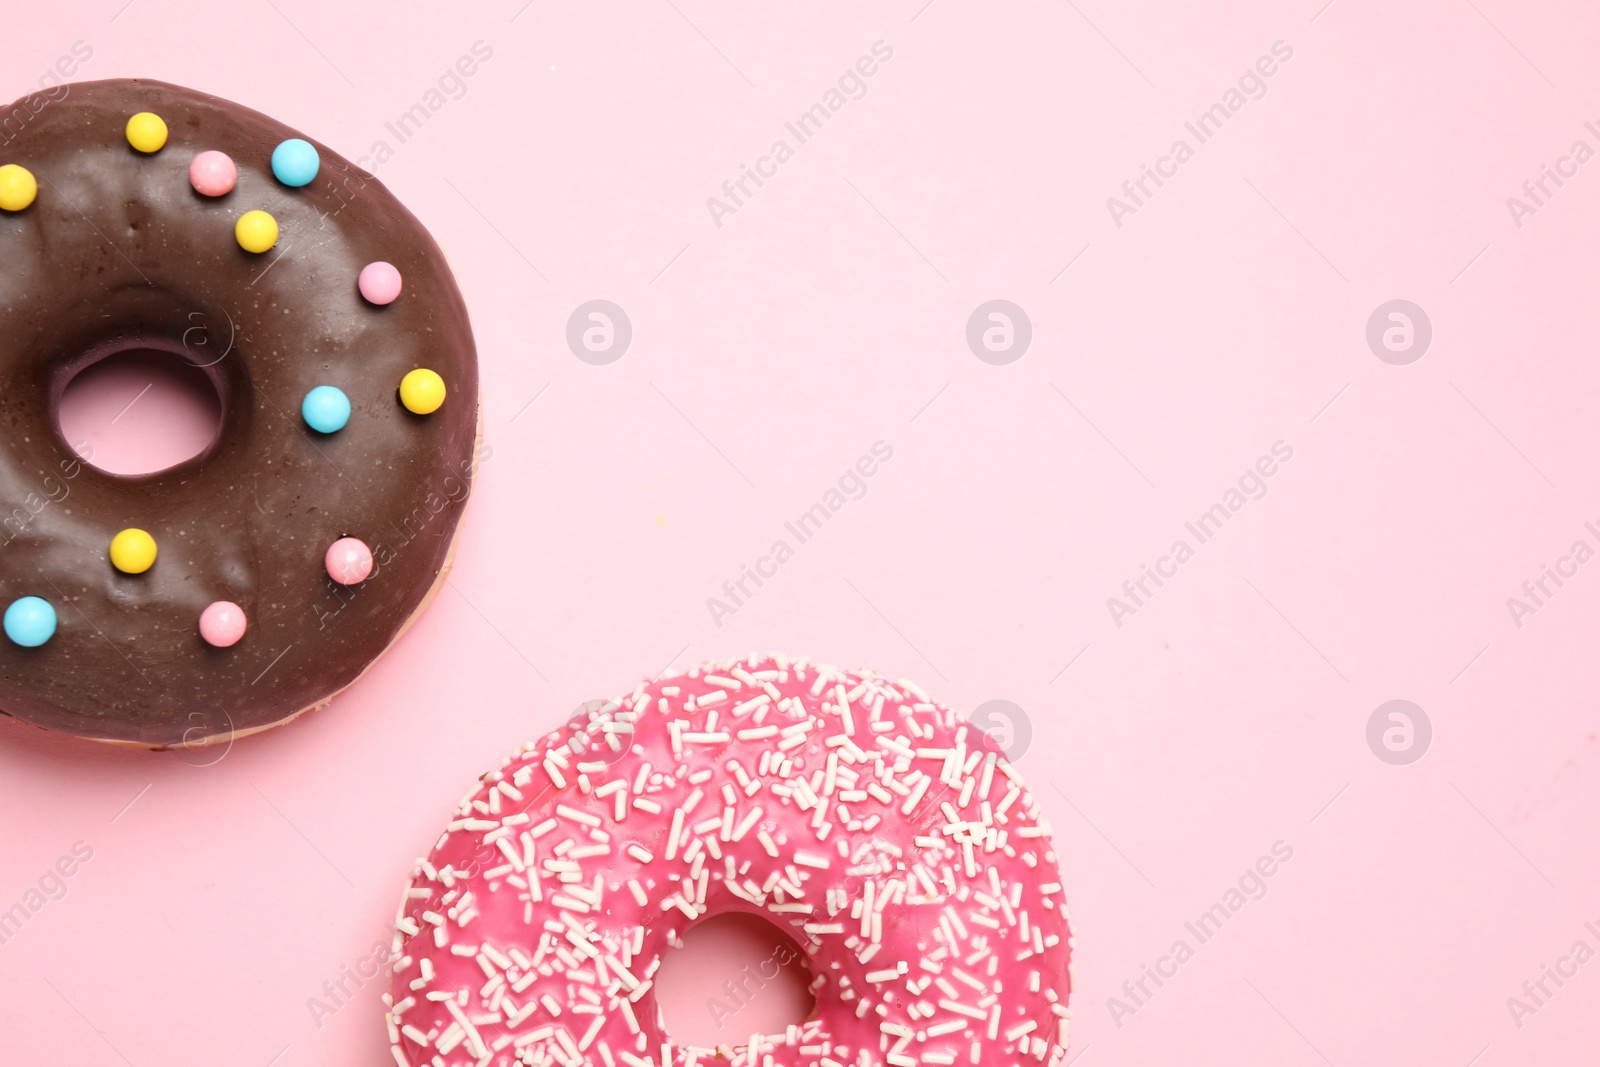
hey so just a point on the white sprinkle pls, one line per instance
(577, 816)
(674, 833)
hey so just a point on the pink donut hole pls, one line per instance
(379, 282)
(222, 623)
(349, 561)
(212, 173)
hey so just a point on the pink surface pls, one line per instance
(223, 889)
(693, 976)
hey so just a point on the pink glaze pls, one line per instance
(222, 623)
(893, 842)
(379, 282)
(213, 173)
(349, 561)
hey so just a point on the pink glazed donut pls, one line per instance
(895, 843)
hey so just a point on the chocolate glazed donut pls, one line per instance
(119, 251)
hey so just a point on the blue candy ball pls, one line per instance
(295, 162)
(30, 621)
(326, 409)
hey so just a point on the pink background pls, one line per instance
(828, 313)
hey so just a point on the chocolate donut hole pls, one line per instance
(145, 381)
(140, 409)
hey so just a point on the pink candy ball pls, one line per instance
(379, 282)
(222, 624)
(212, 174)
(349, 561)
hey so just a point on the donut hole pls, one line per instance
(140, 410)
(735, 975)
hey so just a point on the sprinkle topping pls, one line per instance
(295, 162)
(133, 551)
(30, 621)
(256, 231)
(146, 132)
(422, 391)
(349, 561)
(379, 283)
(213, 173)
(222, 624)
(17, 187)
(326, 409)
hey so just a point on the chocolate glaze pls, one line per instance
(118, 252)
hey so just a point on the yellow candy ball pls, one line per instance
(147, 132)
(133, 551)
(422, 391)
(256, 231)
(17, 187)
